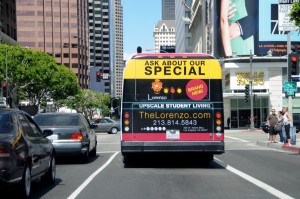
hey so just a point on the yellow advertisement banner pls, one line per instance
(173, 69)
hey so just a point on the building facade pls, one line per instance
(168, 9)
(8, 22)
(182, 22)
(258, 53)
(164, 34)
(106, 45)
(59, 28)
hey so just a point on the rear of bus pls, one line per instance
(172, 103)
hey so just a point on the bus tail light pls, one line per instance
(126, 115)
(126, 121)
(218, 121)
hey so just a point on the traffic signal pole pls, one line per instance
(290, 101)
(251, 95)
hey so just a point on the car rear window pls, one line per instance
(5, 126)
(57, 120)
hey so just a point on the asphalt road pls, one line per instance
(245, 170)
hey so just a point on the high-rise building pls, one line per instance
(8, 27)
(106, 45)
(59, 28)
(168, 9)
(117, 61)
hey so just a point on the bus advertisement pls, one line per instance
(172, 103)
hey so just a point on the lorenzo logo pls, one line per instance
(157, 86)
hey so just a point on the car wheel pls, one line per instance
(49, 176)
(114, 130)
(94, 151)
(25, 185)
(86, 157)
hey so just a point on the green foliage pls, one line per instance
(35, 75)
(87, 102)
(295, 13)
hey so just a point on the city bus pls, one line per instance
(172, 103)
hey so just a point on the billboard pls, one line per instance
(242, 26)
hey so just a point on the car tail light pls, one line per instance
(4, 152)
(77, 136)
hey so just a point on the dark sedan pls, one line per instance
(73, 135)
(26, 153)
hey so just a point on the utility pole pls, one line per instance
(251, 94)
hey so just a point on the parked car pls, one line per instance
(107, 124)
(26, 153)
(73, 135)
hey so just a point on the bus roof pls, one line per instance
(171, 55)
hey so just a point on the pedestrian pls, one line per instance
(286, 118)
(272, 121)
(280, 121)
(228, 122)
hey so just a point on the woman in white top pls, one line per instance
(286, 118)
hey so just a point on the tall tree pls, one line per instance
(34, 75)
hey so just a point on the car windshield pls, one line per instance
(5, 126)
(57, 120)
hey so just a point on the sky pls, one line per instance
(139, 19)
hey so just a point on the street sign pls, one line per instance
(290, 86)
(284, 9)
(105, 76)
(296, 78)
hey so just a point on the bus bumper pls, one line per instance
(202, 147)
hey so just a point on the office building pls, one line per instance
(106, 45)
(8, 22)
(59, 28)
(168, 9)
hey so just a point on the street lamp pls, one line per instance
(251, 94)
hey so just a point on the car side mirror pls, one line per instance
(47, 132)
(94, 126)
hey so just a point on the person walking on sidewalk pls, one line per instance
(272, 121)
(286, 118)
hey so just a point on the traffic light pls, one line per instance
(254, 97)
(247, 92)
(4, 89)
(98, 76)
(293, 64)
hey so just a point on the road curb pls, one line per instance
(280, 146)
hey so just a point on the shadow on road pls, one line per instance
(170, 161)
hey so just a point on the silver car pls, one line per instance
(73, 135)
(107, 125)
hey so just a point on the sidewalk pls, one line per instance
(261, 140)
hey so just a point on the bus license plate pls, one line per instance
(173, 134)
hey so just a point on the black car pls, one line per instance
(26, 153)
(73, 135)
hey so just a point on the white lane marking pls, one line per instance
(234, 138)
(91, 177)
(254, 181)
